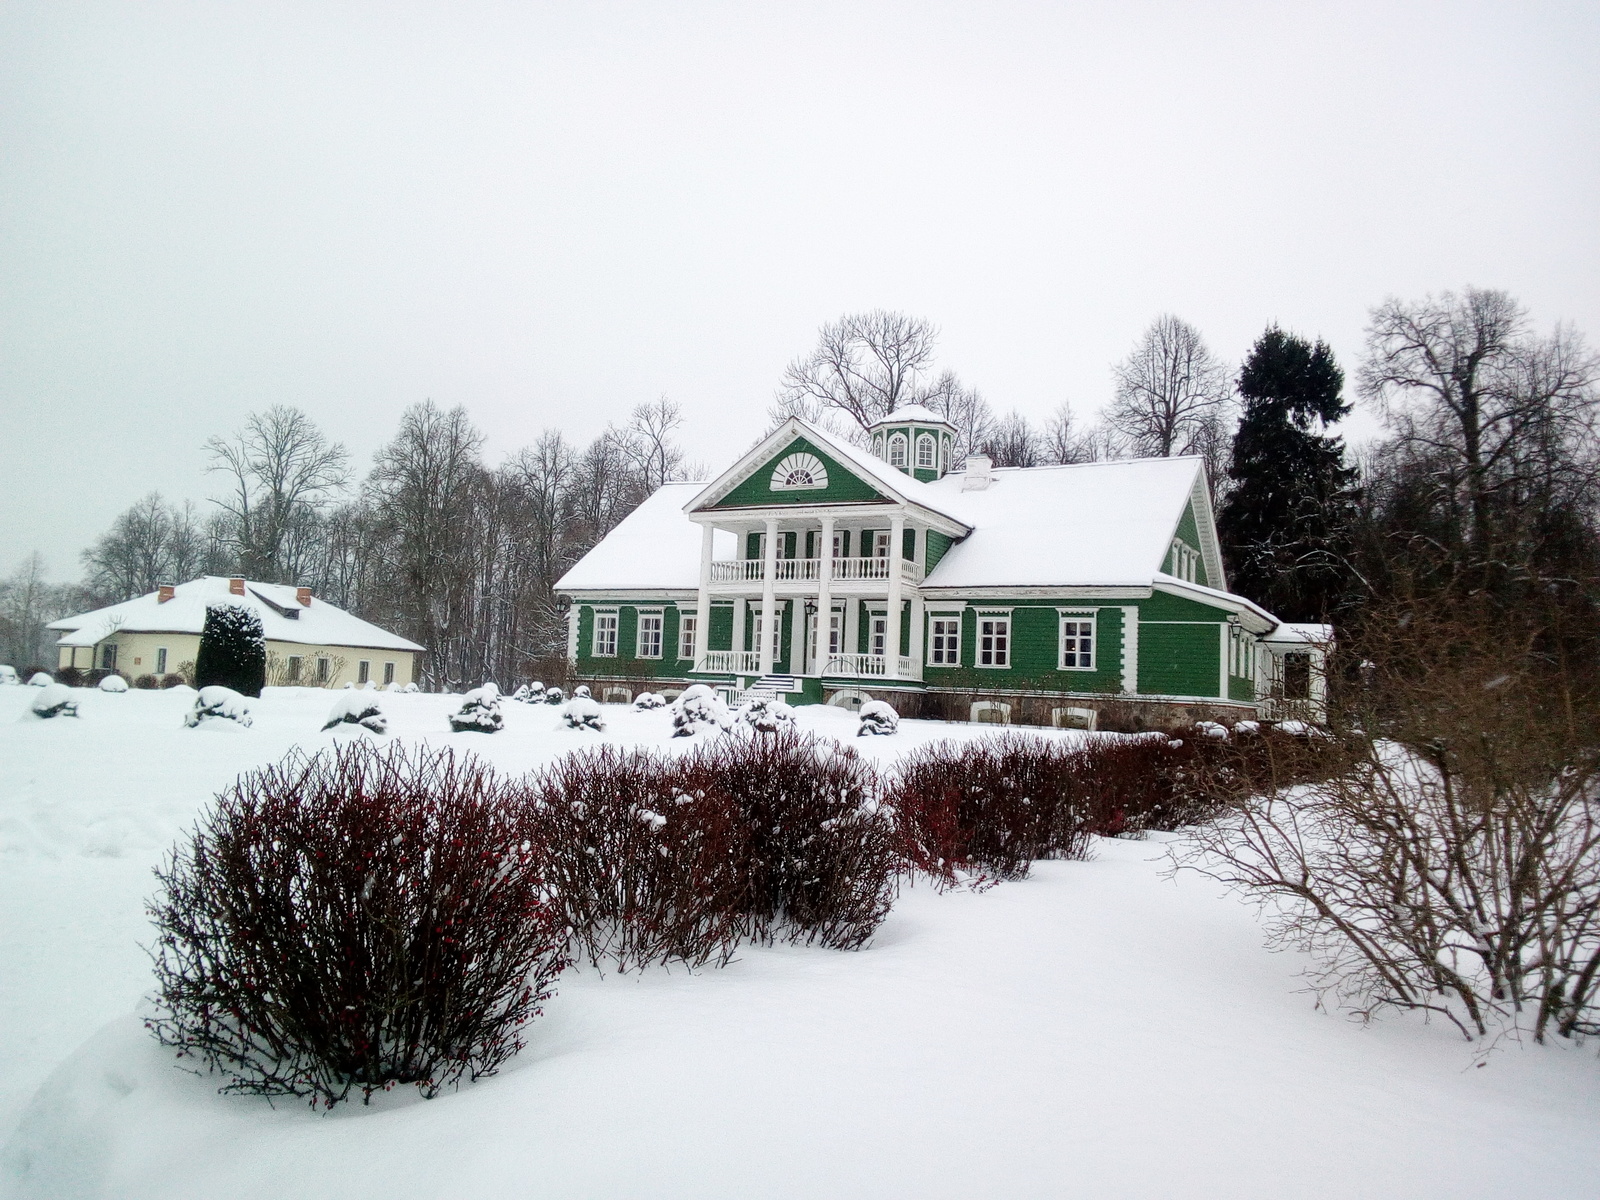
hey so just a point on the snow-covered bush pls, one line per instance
(350, 921)
(357, 708)
(554, 696)
(8, 676)
(697, 709)
(659, 857)
(217, 703)
(648, 700)
(581, 712)
(530, 693)
(233, 650)
(877, 718)
(147, 682)
(410, 688)
(113, 683)
(766, 716)
(480, 711)
(582, 691)
(54, 700)
(1211, 729)
(40, 679)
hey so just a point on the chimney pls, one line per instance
(303, 594)
(236, 586)
(165, 592)
(977, 476)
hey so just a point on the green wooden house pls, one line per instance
(827, 573)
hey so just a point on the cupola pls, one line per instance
(915, 440)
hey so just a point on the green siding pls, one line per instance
(1241, 689)
(844, 486)
(1162, 606)
(938, 546)
(626, 661)
(1189, 534)
(1179, 659)
(721, 627)
(1035, 652)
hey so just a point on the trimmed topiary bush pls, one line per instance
(357, 708)
(218, 704)
(233, 650)
(354, 920)
(54, 700)
(878, 719)
(480, 711)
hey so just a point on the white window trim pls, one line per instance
(904, 444)
(616, 633)
(926, 439)
(991, 614)
(688, 635)
(639, 614)
(945, 615)
(1091, 615)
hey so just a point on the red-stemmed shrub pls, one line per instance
(352, 920)
(659, 857)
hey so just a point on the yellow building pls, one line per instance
(310, 643)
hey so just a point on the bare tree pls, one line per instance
(282, 472)
(1501, 413)
(865, 366)
(1063, 441)
(28, 602)
(135, 554)
(1172, 394)
(965, 408)
(1013, 442)
(647, 441)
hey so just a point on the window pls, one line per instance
(363, 671)
(295, 663)
(877, 445)
(649, 638)
(835, 637)
(388, 672)
(925, 451)
(880, 634)
(108, 657)
(799, 472)
(323, 667)
(605, 634)
(877, 543)
(994, 641)
(897, 450)
(944, 642)
(1077, 642)
(686, 628)
(841, 544)
(755, 633)
(1184, 561)
(161, 660)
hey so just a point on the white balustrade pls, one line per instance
(734, 662)
(739, 570)
(809, 570)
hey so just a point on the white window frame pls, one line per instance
(295, 667)
(835, 635)
(949, 654)
(999, 654)
(324, 669)
(658, 625)
(688, 624)
(607, 621)
(388, 673)
(1077, 617)
(897, 441)
(363, 671)
(161, 660)
(925, 442)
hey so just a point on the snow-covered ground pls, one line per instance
(1097, 1030)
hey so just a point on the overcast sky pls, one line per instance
(550, 214)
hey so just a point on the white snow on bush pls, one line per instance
(113, 683)
(8, 676)
(480, 711)
(877, 718)
(648, 700)
(410, 689)
(216, 703)
(766, 716)
(357, 708)
(581, 712)
(54, 700)
(697, 709)
(1212, 729)
(554, 696)
(40, 679)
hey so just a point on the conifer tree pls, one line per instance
(1284, 527)
(233, 650)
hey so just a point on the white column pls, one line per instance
(702, 618)
(897, 537)
(825, 595)
(1130, 650)
(739, 607)
(918, 633)
(769, 570)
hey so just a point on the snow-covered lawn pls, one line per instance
(1097, 1030)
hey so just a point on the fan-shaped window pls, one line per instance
(925, 453)
(799, 473)
(897, 450)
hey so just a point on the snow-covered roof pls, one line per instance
(316, 624)
(655, 548)
(1089, 525)
(911, 412)
(1301, 633)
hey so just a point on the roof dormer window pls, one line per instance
(897, 450)
(925, 452)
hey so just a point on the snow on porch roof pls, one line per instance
(1093, 524)
(319, 624)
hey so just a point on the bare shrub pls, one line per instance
(660, 858)
(1454, 866)
(352, 920)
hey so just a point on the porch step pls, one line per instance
(768, 688)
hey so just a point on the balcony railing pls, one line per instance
(734, 662)
(809, 570)
(865, 666)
